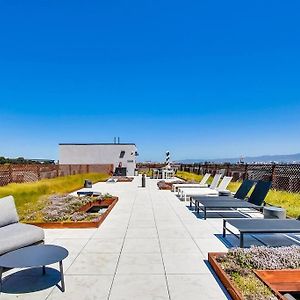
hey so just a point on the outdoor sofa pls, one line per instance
(13, 234)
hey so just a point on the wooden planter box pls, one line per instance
(280, 281)
(111, 202)
(277, 280)
(225, 279)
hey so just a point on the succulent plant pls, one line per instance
(238, 263)
(266, 258)
(65, 207)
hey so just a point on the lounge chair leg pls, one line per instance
(241, 240)
(224, 228)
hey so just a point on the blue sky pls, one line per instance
(203, 79)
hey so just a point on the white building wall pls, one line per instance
(99, 154)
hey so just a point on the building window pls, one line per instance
(122, 153)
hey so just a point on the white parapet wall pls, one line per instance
(123, 155)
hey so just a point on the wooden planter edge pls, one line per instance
(84, 224)
(267, 283)
(224, 278)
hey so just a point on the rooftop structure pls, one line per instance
(121, 155)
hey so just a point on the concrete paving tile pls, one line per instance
(78, 233)
(141, 224)
(191, 287)
(98, 288)
(94, 264)
(201, 232)
(144, 232)
(113, 233)
(140, 264)
(169, 224)
(184, 263)
(211, 244)
(74, 246)
(104, 245)
(141, 245)
(144, 287)
(173, 233)
(142, 216)
(180, 246)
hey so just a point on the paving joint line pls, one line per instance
(159, 243)
(118, 261)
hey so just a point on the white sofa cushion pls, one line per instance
(18, 235)
(8, 211)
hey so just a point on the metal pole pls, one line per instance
(62, 279)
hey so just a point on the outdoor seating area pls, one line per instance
(245, 214)
(13, 234)
(153, 244)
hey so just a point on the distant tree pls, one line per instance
(22, 160)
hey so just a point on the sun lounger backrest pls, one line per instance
(224, 183)
(260, 192)
(244, 189)
(215, 181)
(205, 178)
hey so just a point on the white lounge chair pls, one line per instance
(201, 184)
(213, 185)
(208, 191)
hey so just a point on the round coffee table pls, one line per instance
(34, 256)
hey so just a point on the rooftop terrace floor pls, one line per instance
(151, 246)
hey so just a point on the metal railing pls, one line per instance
(284, 177)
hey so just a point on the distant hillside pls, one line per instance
(290, 158)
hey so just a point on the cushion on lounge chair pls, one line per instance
(8, 212)
(19, 235)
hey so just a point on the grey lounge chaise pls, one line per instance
(260, 226)
(15, 235)
(255, 201)
(241, 193)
